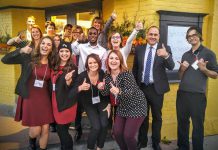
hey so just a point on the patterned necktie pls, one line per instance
(148, 67)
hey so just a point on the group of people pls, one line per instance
(62, 75)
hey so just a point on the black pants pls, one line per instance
(155, 102)
(65, 137)
(190, 105)
(78, 119)
(99, 122)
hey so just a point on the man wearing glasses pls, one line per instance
(196, 66)
(149, 70)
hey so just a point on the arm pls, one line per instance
(104, 58)
(169, 63)
(108, 24)
(127, 48)
(14, 57)
(135, 64)
(75, 47)
(203, 68)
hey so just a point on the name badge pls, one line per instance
(195, 65)
(38, 83)
(95, 100)
(53, 87)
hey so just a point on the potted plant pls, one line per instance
(4, 37)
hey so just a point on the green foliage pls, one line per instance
(4, 37)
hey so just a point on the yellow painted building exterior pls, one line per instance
(146, 9)
(15, 19)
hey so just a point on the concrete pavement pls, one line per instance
(13, 136)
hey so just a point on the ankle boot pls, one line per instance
(32, 143)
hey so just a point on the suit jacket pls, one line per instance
(159, 68)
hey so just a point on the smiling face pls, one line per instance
(57, 41)
(50, 30)
(97, 24)
(116, 40)
(113, 62)
(45, 47)
(92, 65)
(64, 55)
(193, 37)
(93, 36)
(36, 35)
(153, 36)
(30, 22)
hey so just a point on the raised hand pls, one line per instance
(138, 26)
(27, 49)
(68, 77)
(202, 64)
(162, 52)
(184, 65)
(84, 86)
(114, 90)
(101, 85)
(114, 15)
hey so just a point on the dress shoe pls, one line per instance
(140, 145)
(156, 147)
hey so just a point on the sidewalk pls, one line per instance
(15, 137)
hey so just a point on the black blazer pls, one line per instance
(86, 96)
(15, 57)
(62, 92)
(159, 68)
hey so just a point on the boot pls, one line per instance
(32, 143)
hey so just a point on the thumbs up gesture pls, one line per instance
(68, 77)
(184, 65)
(114, 90)
(202, 64)
(162, 52)
(101, 85)
(84, 86)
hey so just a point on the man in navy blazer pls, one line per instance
(149, 70)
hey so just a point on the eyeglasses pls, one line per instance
(115, 37)
(192, 36)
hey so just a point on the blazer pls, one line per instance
(159, 68)
(15, 57)
(62, 91)
(86, 96)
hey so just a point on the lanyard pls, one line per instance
(92, 90)
(44, 73)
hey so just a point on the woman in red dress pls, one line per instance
(64, 108)
(34, 105)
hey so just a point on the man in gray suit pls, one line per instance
(149, 70)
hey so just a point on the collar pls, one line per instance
(154, 46)
(96, 46)
(200, 48)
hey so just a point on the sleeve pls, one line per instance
(169, 63)
(135, 65)
(107, 87)
(212, 62)
(75, 47)
(103, 61)
(127, 48)
(14, 57)
(107, 25)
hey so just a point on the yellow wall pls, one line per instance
(15, 21)
(146, 9)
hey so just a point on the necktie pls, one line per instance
(148, 67)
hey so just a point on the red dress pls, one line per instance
(36, 110)
(66, 116)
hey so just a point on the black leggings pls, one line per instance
(65, 137)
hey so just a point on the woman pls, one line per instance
(96, 106)
(64, 110)
(115, 41)
(132, 106)
(50, 29)
(36, 35)
(35, 112)
(57, 40)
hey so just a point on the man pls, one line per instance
(24, 37)
(196, 66)
(149, 70)
(83, 50)
(67, 35)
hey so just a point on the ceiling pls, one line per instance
(37, 3)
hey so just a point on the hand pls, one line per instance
(184, 65)
(108, 109)
(68, 77)
(17, 39)
(101, 85)
(26, 50)
(139, 26)
(202, 64)
(81, 37)
(85, 86)
(114, 15)
(114, 90)
(162, 52)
